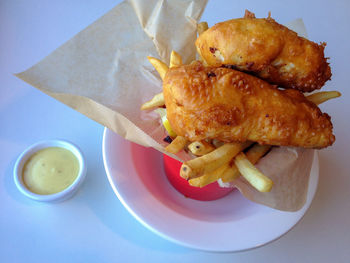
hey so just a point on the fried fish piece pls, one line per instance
(268, 49)
(229, 105)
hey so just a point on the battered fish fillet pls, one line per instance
(267, 49)
(229, 105)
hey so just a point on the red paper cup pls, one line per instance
(208, 193)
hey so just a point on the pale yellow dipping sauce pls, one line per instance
(50, 170)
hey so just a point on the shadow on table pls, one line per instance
(310, 232)
(98, 196)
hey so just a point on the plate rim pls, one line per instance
(190, 245)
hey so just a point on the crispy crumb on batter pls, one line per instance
(229, 105)
(268, 50)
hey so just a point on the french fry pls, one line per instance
(231, 174)
(201, 27)
(159, 65)
(227, 172)
(200, 148)
(209, 178)
(254, 154)
(256, 178)
(211, 161)
(177, 145)
(323, 96)
(175, 59)
(156, 101)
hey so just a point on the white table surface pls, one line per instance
(93, 226)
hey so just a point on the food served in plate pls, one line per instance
(231, 119)
(268, 49)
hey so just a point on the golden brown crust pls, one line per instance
(225, 104)
(268, 49)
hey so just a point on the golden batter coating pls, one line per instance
(268, 49)
(229, 105)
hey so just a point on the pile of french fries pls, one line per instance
(215, 159)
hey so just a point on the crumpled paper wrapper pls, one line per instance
(289, 169)
(103, 72)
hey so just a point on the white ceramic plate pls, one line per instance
(232, 223)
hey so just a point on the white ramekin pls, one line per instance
(57, 197)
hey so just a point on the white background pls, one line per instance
(93, 226)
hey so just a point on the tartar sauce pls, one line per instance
(50, 170)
